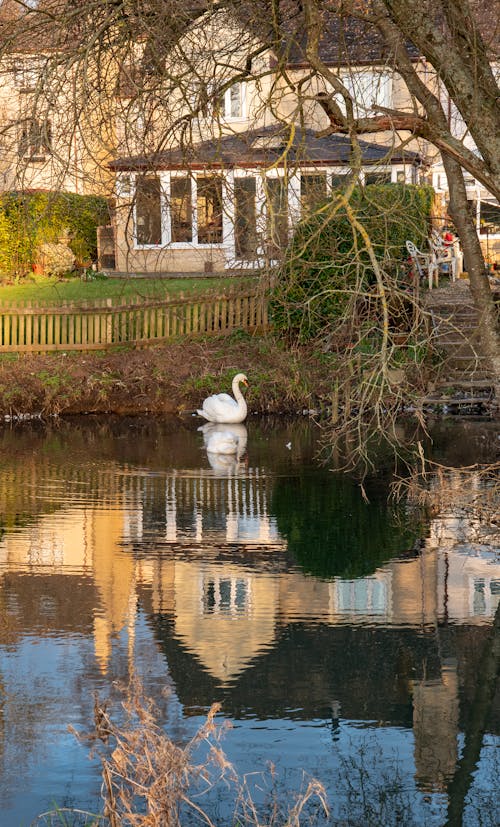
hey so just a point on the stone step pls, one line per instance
(453, 401)
(462, 359)
(465, 357)
(458, 344)
(471, 384)
(464, 368)
(456, 376)
(451, 309)
(453, 316)
(455, 321)
(452, 345)
(456, 336)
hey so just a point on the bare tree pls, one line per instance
(141, 78)
(449, 36)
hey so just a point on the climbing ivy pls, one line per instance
(29, 219)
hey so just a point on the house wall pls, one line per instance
(165, 259)
(91, 126)
(50, 139)
(185, 105)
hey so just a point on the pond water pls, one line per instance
(344, 640)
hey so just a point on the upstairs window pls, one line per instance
(209, 101)
(27, 75)
(35, 140)
(128, 82)
(368, 89)
(232, 103)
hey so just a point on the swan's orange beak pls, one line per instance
(245, 382)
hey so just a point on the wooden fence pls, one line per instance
(104, 324)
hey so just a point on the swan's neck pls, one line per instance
(237, 393)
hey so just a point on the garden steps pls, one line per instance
(465, 378)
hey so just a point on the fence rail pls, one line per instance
(101, 325)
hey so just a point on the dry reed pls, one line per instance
(150, 781)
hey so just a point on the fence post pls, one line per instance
(109, 321)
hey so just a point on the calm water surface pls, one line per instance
(344, 640)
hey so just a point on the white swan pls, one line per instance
(225, 445)
(222, 443)
(224, 438)
(220, 407)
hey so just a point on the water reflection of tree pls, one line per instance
(476, 726)
(332, 531)
(471, 494)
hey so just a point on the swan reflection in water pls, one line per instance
(225, 445)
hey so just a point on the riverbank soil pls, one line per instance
(172, 378)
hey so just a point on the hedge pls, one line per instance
(30, 219)
(327, 257)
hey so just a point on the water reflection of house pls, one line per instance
(224, 615)
(436, 726)
(72, 544)
(205, 558)
(228, 509)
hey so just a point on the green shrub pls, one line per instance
(328, 258)
(30, 219)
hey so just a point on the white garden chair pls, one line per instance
(429, 264)
(448, 254)
(423, 262)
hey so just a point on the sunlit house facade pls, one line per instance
(211, 154)
(221, 183)
(57, 130)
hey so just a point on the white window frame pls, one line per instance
(27, 74)
(166, 214)
(216, 174)
(290, 196)
(235, 606)
(180, 245)
(222, 111)
(360, 83)
(227, 101)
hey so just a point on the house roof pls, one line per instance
(263, 148)
(345, 41)
(349, 40)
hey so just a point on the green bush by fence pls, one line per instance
(328, 258)
(30, 219)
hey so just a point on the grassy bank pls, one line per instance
(172, 378)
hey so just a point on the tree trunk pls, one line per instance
(489, 671)
(479, 283)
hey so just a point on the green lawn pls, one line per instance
(51, 291)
